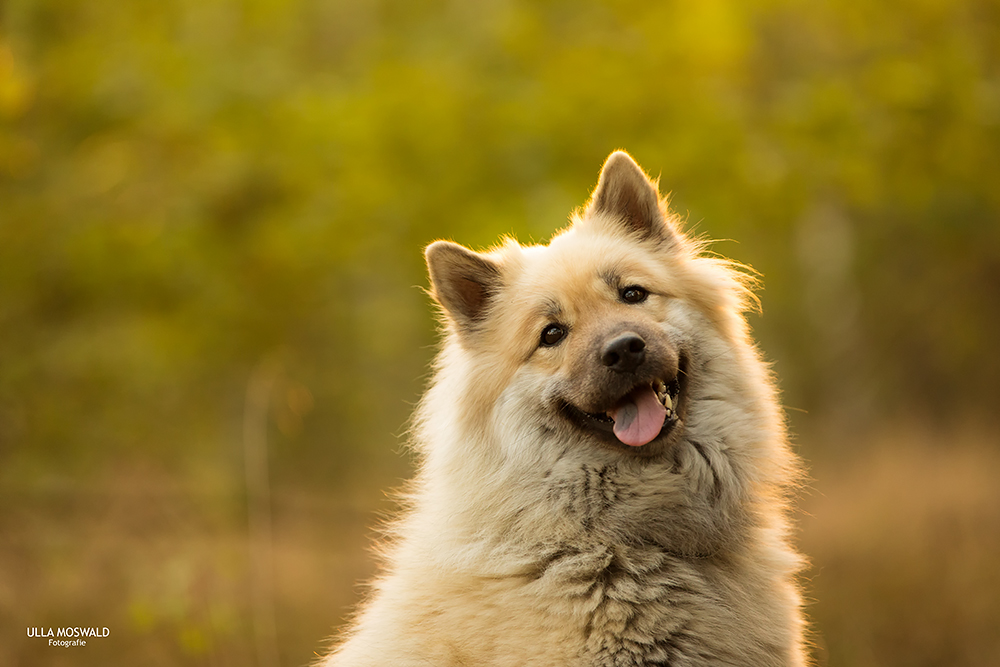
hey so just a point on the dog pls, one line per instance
(604, 469)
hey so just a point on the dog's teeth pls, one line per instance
(668, 403)
(661, 390)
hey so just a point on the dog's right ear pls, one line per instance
(630, 200)
(462, 281)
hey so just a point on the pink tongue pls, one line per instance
(639, 418)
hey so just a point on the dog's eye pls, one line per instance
(634, 294)
(552, 334)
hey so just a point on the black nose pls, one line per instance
(624, 353)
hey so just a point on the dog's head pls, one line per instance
(595, 337)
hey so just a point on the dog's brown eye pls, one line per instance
(552, 334)
(634, 294)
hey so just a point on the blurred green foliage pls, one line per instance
(190, 188)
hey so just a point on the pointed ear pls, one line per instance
(626, 195)
(462, 281)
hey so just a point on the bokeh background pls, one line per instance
(212, 323)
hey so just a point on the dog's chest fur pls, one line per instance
(636, 604)
(635, 601)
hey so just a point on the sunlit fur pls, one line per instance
(524, 543)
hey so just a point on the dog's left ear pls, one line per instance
(626, 196)
(463, 282)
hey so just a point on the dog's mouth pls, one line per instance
(646, 413)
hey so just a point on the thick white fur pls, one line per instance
(526, 544)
